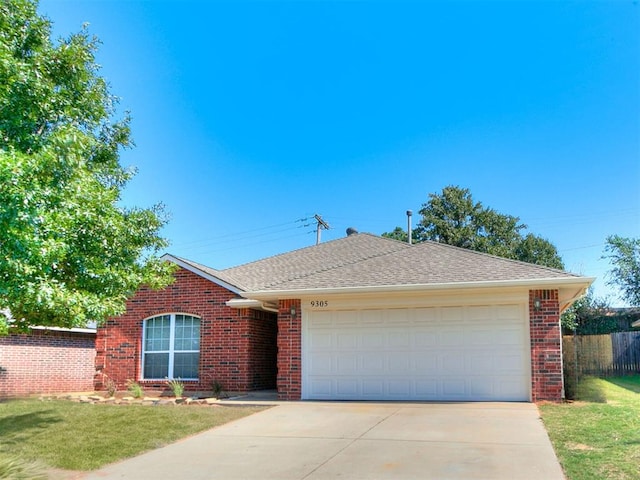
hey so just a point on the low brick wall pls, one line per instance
(46, 361)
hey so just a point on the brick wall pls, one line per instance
(232, 341)
(263, 335)
(46, 361)
(289, 350)
(546, 346)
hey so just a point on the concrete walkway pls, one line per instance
(349, 440)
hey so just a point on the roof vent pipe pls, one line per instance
(409, 213)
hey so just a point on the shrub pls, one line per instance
(216, 387)
(111, 386)
(176, 386)
(135, 388)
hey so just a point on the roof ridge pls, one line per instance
(309, 247)
(343, 264)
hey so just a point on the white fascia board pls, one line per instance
(544, 283)
(250, 303)
(203, 274)
(60, 329)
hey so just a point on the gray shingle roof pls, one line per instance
(364, 260)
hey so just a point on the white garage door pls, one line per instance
(441, 353)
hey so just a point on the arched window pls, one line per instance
(171, 347)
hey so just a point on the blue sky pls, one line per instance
(251, 116)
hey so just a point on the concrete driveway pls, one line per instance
(311, 441)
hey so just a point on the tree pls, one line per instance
(454, 218)
(589, 315)
(69, 253)
(624, 254)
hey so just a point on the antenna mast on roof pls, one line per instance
(321, 224)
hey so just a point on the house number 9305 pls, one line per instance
(319, 303)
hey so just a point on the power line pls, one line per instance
(254, 232)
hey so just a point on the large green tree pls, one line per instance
(455, 218)
(69, 252)
(624, 254)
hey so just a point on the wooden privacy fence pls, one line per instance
(601, 355)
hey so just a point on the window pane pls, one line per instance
(156, 365)
(157, 333)
(187, 334)
(185, 365)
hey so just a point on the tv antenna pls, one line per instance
(321, 225)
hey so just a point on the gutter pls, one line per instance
(577, 282)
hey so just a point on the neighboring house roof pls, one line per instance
(365, 262)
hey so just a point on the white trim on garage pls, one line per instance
(433, 353)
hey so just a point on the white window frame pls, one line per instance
(171, 351)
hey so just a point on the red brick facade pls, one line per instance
(546, 346)
(246, 349)
(289, 350)
(237, 346)
(46, 361)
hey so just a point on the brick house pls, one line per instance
(47, 360)
(362, 318)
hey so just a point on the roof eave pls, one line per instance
(212, 278)
(582, 283)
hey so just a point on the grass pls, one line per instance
(598, 436)
(77, 436)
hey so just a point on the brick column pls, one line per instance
(546, 346)
(289, 350)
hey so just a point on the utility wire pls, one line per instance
(254, 232)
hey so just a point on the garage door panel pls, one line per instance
(321, 341)
(347, 318)
(400, 388)
(372, 317)
(321, 387)
(423, 338)
(373, 363)
(479, 363)
(347, 340)
(427, 388)
(426, 362)
(399, 340)
(321, 364)
(372, 340)
(347, 387)
(399, 364)
(482, 313)
(318, 321)
(453, 388)
(346, 364)
(507, 336)
(439, 353)
(452, 363)
(373, 388)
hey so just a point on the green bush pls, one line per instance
(135, 388)
(176, 386)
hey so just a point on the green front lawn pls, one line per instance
(79, 436)
(598, 436)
